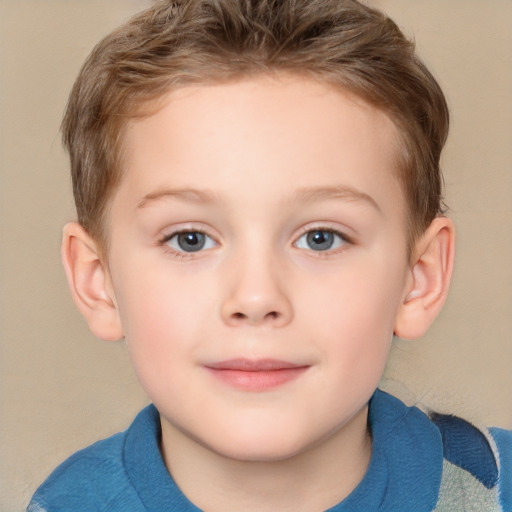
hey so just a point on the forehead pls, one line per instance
(225, 136)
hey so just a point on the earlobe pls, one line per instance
(90, 284)
(429, 279)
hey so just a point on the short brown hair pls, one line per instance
(182, 42)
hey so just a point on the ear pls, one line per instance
(428, 281)
(90, 283)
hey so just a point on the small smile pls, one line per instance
(256, 374)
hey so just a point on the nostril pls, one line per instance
(272, 315)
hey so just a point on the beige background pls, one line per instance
(61, 389)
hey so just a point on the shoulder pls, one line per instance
(439, 462)
(476, 466)
(91, 479)
(88, 480)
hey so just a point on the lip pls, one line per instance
(256, 374)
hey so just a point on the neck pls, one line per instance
(315, 479)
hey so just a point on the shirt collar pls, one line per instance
(405, 467)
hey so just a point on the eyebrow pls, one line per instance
(335, 192)
(304, 195)
(188, 194)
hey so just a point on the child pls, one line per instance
(259, 213)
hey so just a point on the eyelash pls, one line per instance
(181, 255)
(346, 240)
(184, 255)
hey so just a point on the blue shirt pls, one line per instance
(418, 464)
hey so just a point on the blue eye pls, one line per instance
(190, 241)
(320, 240)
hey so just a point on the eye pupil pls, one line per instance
(320, 240)
(191, 241)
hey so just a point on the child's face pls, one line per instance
(259, 226)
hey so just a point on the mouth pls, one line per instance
(256, 374)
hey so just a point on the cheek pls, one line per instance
(356, 312)
(159, 323)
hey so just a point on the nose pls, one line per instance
(255, 293)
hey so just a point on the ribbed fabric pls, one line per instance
(418, 464)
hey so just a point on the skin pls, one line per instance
(256, 166)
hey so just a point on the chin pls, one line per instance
(261, 449)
